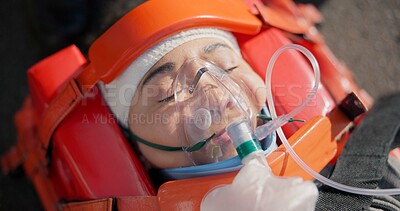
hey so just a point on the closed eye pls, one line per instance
(167, 99)
(172, 97)
(231, 69)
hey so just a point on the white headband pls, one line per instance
(119, 93)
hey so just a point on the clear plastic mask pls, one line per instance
(207, 101)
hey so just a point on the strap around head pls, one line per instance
(196, 147)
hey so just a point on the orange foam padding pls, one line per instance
(284, 16)
(341, 130)
(138, 31)
(98, 205)
(251, 4)
(47, 77)
(292, 76)
(138, 203)
(91, 158)
(313, 143)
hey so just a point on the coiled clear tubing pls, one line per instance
(270, 100)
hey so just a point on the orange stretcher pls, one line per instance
(76, 155)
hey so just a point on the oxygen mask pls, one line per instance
(207, 101)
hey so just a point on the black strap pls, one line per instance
(363, 162)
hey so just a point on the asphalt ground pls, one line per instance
(365, 34)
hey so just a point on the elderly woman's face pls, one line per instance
(153, 112)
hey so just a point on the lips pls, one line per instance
(221, 138)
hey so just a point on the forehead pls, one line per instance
(204, 48)
(195, 48)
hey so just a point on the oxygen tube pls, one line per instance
(263, 130)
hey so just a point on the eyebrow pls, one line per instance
(162, 69)
(210, 48)
(170, 65)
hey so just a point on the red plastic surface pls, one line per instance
(91, 158)
(292, 77)
(48, 76)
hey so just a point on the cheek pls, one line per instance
(163, 159)
(158, 125)
(256, 86)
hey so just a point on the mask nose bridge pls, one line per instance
(191, 67)
(201, 82)
(196, 71)
(196, 79)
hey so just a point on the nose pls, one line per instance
(195, 75)
(196, 79)
(210, 92)
(201, 81)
